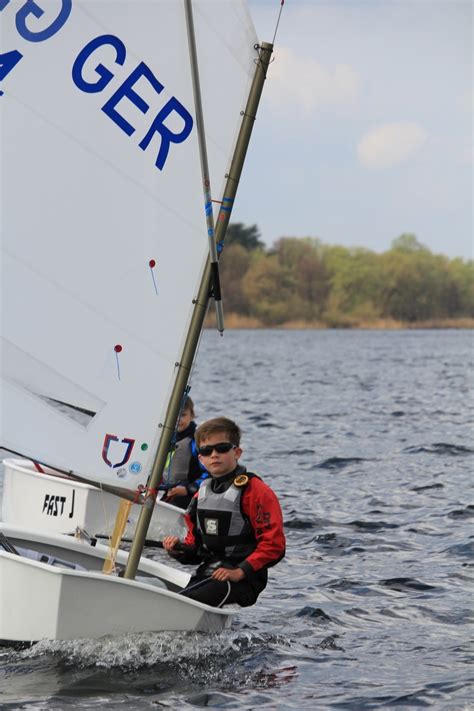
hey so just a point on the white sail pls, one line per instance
(103, 230)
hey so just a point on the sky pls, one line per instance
(365, 126)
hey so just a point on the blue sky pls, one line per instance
(365, 127)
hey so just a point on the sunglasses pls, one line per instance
(220, 447)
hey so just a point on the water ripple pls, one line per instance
(406, 584)
(340, 462)
(440, 448)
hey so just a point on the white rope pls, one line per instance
(228, 593)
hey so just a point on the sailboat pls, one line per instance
(117, 118)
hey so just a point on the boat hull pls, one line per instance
(47, 502)
(43, 600)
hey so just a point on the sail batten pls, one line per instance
(102, 224)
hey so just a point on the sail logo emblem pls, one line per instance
(113, 448)
(135, 467)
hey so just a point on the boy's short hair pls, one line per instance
(188, 404)
(218, 424)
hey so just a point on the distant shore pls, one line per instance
(235, 321)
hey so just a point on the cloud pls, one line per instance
(390, 144)
(306, 85)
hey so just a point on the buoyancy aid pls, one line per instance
(177, 462)
(224, 530)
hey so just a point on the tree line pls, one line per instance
(305, 280)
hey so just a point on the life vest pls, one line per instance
(224, 530)
(177, 462)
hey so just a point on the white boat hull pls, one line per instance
(57, 504)
(40, 600)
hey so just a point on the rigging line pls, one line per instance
(68, 472)
(185, 394)
(229, 590)
(278, 21)
(129, 494)
(214, 26)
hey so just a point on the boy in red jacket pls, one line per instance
(235, 524)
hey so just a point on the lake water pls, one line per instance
(367, 437)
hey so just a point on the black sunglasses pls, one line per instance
(220, 447)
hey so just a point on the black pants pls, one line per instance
(218, 593)
(212, 592)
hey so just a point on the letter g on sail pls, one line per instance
(108, 440)
(30, 7)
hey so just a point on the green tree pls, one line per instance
(306, 280)
(463, 276)
(247, 237)
(356, 281)
(270, 290)
(418, 286)
(303, 259)
(233, 267)
(407, 242)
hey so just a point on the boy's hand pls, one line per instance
(176, 491)
(169, 542)
(234, 575)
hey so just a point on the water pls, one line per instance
(367, 439)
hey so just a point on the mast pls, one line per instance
(200, 307)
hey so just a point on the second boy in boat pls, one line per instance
(183, 473)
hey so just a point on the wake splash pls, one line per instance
(187, 651)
